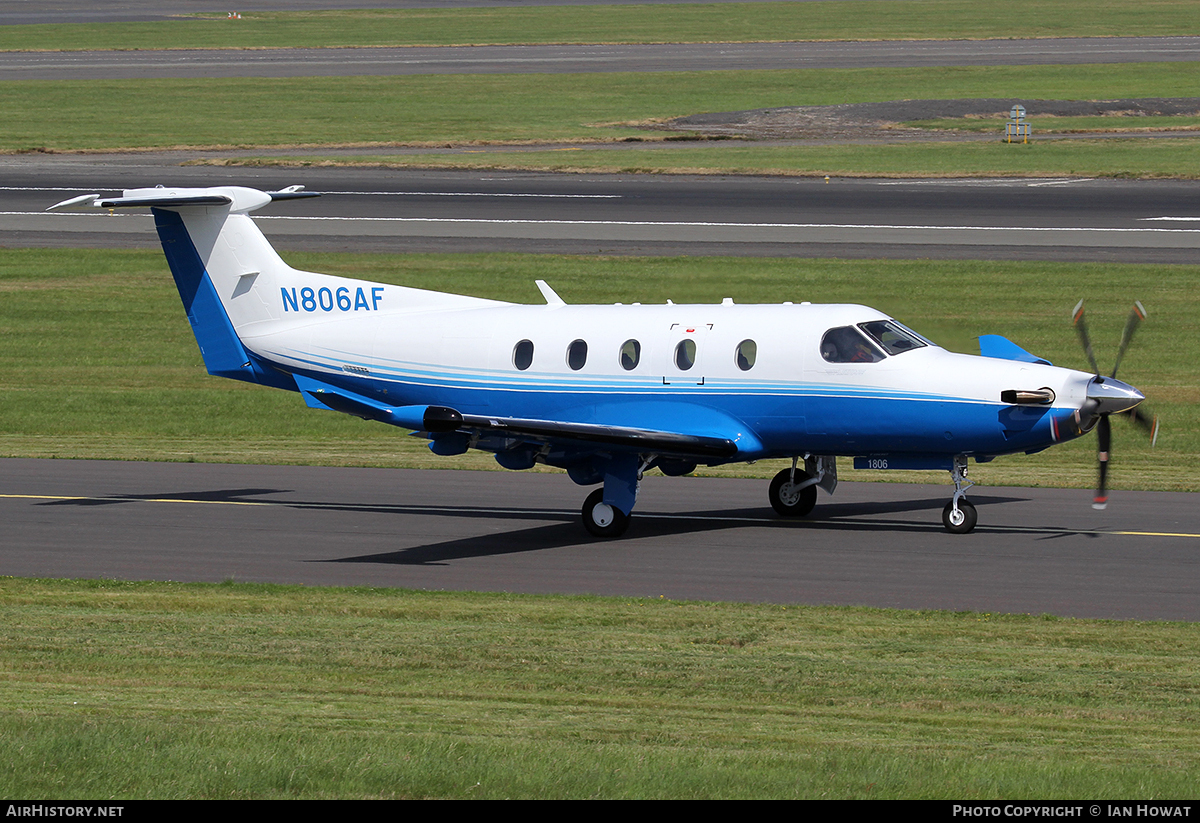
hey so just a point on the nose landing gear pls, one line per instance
(959, 516)
(793, 492)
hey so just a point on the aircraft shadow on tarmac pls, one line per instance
(214, 496)
(562, 528)
(567, 532)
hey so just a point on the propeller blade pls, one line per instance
(1104, 435)
(1084, 338)
(1135, 317)
(1145, 420)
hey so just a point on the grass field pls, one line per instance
(99, 361)
(446, 110)
(864, 20)
(1176, 158)
(158, 690)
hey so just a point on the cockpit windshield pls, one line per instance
(895, 338)
(847, 345)
(850, 344)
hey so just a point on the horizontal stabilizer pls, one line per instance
(237, 198)
(95, 201)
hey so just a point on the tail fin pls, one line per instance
(213, 249)
(237, 291)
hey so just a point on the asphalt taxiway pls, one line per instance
(1036, 550)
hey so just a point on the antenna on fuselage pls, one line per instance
(552, 298)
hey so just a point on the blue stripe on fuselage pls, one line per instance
(786, 423)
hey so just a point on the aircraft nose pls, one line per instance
(1112, 396)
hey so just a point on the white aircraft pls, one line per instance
(610, 392)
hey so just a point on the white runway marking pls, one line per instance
(676, 223)
(657, 230)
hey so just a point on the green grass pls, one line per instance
(99, 361)
(435, 110)
(1108, 157)
(900, 19)
(159, 690)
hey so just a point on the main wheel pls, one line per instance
(961, 521)
(788, 498)
(601, 519)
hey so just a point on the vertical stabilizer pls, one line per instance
(241, 298)
(223, 266)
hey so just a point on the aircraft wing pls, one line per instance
(642, 440)
(442, 419)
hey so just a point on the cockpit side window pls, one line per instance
(847, 345)
(894, 338)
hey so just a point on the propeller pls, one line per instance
(1107, 396)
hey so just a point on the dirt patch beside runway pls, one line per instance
(882, 121)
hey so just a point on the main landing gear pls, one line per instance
(959, 516)
(607, 510)
(601, 519)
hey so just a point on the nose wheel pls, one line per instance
(793, 493)
(960, 519)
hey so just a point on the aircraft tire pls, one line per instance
(786, 500)
(969, 517)
(602, 520)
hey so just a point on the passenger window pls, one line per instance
(577, 355)
(685, 354)
(747, 353)
(631, 353)
(523, 355)
(847, 345)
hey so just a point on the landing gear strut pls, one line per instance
(959, 516)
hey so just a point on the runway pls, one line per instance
(406, 211)
(1036, 550)
(586, 59)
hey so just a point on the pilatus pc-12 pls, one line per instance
(610, 392)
